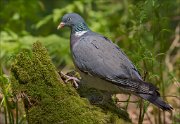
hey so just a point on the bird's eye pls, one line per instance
(68, 19)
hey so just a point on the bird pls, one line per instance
(104, 66)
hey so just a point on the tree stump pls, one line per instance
(46, 98)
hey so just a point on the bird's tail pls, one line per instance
(156, 100)
(154, 97)
(144, 90)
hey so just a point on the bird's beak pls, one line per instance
(61, 25)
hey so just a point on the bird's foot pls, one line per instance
(67, 78)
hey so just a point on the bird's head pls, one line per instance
(74, 21)
(70, 20)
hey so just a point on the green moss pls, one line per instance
(51, 100)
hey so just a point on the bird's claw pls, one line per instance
(70, 78)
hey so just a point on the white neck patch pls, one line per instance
(80, 33)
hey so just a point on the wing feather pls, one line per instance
(99, 56)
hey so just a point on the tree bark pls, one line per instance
(46, 99)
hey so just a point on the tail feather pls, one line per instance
(150, 92)
(143, 89)
(156, 100)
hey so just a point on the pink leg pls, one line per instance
(69, 78)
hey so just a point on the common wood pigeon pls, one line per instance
(103, 65)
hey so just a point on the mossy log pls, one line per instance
(47, 100)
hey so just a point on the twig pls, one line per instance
(129, 101)
(172, 96)
(141, 114)
(149, 118)
(24, 96)
(175, 43)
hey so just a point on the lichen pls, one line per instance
(51, 101)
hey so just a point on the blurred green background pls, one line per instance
(147, 30)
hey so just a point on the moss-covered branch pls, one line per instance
(47, 99)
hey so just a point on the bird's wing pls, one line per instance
(99, 57)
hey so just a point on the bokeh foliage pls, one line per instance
(144, 29)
